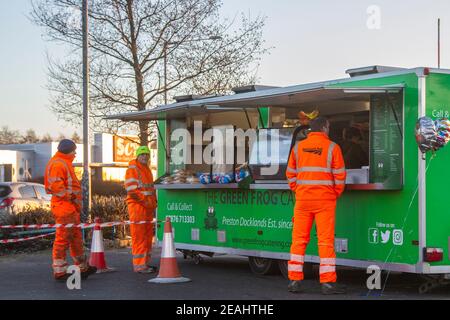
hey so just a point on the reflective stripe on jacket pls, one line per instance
(316, 169)
(60, 179)
(139, 185)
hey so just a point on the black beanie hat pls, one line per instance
(66, 146)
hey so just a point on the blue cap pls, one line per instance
(66, 146)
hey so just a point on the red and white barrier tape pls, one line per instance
(72, 225)
(26, 238)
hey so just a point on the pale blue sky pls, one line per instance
(314, 40)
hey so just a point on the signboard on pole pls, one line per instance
(124, 148)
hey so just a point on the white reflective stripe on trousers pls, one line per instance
(60, 269)
(59, 262)
(295, 268)
(327, 269)
(297, 258)
(331, 261)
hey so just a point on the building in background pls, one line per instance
(109, 158)
(25, 162)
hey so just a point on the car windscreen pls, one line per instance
(42, 193)
(5, 191)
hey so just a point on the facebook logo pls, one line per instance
(374, 236)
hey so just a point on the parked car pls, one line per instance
(16, 196)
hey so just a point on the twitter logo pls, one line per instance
(385, 236)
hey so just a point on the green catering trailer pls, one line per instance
(393, 213)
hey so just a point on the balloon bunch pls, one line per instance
(432, 135)
(443, 132)
(241, 172)
(223, 178)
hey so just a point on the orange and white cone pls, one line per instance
(168, 269)
(97, 257)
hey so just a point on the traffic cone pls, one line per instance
(168, 269)
(97, 257)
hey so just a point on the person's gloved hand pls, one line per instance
(69, 197)
(134, 196)
(149, 203)
(78, 206)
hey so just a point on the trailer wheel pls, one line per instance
(307, 269)
(432, 283)
(197, 259)
(263, 266)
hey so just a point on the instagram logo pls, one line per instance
(398, 237)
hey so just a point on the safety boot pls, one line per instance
(296, 287)
(332, 288)
(88, 272)
(150, 269)
(62, 278)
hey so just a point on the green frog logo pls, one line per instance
(211, 220)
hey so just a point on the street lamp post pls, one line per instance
(86, 179)
(166, 47)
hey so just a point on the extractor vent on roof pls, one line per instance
(371, 70)
(191, 97)
(251, 88)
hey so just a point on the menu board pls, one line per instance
(386, 147)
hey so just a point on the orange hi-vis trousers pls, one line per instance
(67, 238)
(305, 212)
(141, 235)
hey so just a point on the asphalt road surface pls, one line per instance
(28, 276)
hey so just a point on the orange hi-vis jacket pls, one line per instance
(316, 169)
(139, 185)
(61, 182)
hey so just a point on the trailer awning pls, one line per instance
(297, 96)
(181, 112)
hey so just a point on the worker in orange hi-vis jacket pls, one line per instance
(141, 201)
(62, 183)
(316, 173)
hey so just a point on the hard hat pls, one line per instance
(142, 150)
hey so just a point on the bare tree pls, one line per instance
(131, 39)
(8, 136)
(61, 136)
(30, 137)
(76, 138)
(46, 138)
